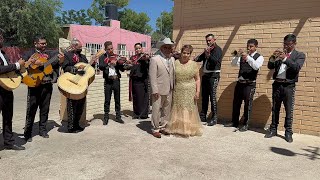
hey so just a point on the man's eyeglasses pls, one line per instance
(288, 44)
(43, 44)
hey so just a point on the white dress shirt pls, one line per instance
(167, 60)
(283, 69)
(112, 70)
(255, 64)
(5, 63)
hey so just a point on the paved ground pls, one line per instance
(129, 152)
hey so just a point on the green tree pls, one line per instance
(156, 36)
(74, 17)
(133, 21)
(22, 20)
(10, 13)
(164, 24)
(96, 10)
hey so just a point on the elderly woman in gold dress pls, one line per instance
(185, 120)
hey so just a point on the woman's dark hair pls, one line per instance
(187, 47)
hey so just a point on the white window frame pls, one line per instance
(144, 44)
(122, 49)
(93, 48)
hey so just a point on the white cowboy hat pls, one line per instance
(165, 41)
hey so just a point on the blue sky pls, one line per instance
(152, 8)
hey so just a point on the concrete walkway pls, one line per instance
(128, 151)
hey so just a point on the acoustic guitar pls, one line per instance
(35, 73)
(12, 80)
(74, 86)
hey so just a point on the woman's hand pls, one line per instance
(197, 96)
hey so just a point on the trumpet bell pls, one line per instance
(234, 53)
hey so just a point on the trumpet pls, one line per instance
(276, 55)
(239, 52)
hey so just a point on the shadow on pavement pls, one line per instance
(18, 138)
(282, 151)
(312, 152)
(145, 126)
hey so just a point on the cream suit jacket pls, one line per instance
(161, 77)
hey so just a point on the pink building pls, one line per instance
(93, 37)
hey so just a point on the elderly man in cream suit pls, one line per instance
(161, 74)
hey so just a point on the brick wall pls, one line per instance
(234, 23)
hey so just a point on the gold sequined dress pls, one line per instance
(185, 120)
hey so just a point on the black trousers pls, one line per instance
(110, 86)
(38, 97)
(140, 97)
(6, 108)
(209, 86)
(282, 92)
(243, 92)
(74, 109)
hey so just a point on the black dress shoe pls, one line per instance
(14, 147)
(144, 117)
(44, 135)
(288, 138)
(105, 121)
(119, 120)
(244, 128)
(212, 122)
(79, 128)
(270, 134)
(72, 130)
(135, 117)
(231, 125)
(203, 119)
(28, 139)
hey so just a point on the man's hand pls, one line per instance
(61, 58)
(282, 55)
(31, 60)
(113, 62)
(156, 96)
(128, 62)
(244, 56)
(81, 67)
(21, 62)
(38, 63)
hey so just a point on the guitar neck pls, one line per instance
(50, 61)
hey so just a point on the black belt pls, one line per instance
(115, 77)
(281, 80)
(245, 81)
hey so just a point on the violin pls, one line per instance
(114, 58)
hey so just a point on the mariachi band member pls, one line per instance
(139, 79)
(6, 99)
(111, 64)
(40, 96)
(287, 65)
(250, 64)
(211, 64)
(175, 54)
(74, 107)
